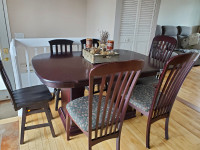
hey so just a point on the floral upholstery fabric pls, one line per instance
(152, 80)
(78, 110)
(142, 97)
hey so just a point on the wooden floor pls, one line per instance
(184, 128)
(190, 90)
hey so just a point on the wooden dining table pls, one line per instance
(71, 75)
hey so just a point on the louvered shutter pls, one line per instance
(128, 23)
(137, 24)
(144, 26)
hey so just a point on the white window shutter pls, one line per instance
(127, 23)
(137, 21)
(144, 26)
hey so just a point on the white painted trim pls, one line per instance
(7, 20)
(136, 26)
(5, 41)
(43, 42)
(4, 95)
(15, 65)
(117, 22)
(154, 21)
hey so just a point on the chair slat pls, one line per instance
(99, 104)
(114, 95)
(123, 98)
(114, 118)
(162, 48)
(120, 78)
(60, 46)
(170, 82)
(106, 104)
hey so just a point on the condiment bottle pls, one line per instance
(88, 43)
(110, 45)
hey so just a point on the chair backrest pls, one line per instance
(59, 47)
(95, 43)
(162, 48)
(120, 78)
(172, 77)
(7, 83)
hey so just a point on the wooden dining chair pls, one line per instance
(104, 115)
(32, 100)
(156, 103)
(161, 51)
(162, 48)
(95, 43)
(59, 48)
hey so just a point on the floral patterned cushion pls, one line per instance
(78, 110)
(152, 80)
(142, 96)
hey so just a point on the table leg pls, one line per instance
(130, 113)
(67, 95)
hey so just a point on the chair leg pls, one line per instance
(68, 127)
(57, 99)
(166, 128)
(23, 125)
(89, 144)
(118, 143)
(49, 120)
(54, 93)
(148, 135)
(50, 112)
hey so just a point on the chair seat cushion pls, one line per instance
(78, 110)
(151, 80)
(32, 95)
(142, 97)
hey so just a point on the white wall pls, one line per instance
(100, 16)
(179, 12)
(47, 18)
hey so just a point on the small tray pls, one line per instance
(98, 58)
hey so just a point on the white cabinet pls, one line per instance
(135, 24)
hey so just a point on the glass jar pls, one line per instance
(110, 45)
(89, 43)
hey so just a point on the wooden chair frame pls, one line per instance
(162, 48)
(95, 43)
(167, 90)
(59, 44)
(121, 78)
(28, 109)
(60, 52)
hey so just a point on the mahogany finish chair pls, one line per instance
(95, 43)
(161, 51)
(101, 114)
(32, 100)
(162, 48)
(156, 103)
(59, 48)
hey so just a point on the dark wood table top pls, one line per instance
(73, 71)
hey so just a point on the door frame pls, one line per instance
(5, 8)
(5, 39)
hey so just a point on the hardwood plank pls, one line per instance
(8, 120)
(190, 90)
(188, 104)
